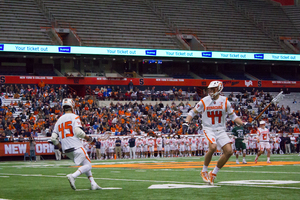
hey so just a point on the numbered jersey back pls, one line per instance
(263, 134)
(214, 112)
(65, 127)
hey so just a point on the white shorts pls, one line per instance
(182, 148)
(78, 156)
(193, 148)
(218, 137)
(167, 148)
(200, 147)
(145, 148)
(159, 148)
(252, 146)
(111, 149)
(172, 147)
(103, 151)
(138, 149)
(187, 148)
(151, 149)
(276, 146)
(127, 149)
(264, 145)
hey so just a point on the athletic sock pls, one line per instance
(204, 169)
(76, 174)
(244, 159)
(92, 180)
(215, 171)
(268, 159)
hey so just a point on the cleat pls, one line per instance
(269, 162)
(255, 161)
(204, 176)
(96, 187)
(211, 177)
(72, 181)
(237, 162)
(244, 162)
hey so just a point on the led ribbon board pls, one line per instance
(145, 52)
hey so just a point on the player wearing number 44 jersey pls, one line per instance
(263, 140)
(214, 110)
(68, 130)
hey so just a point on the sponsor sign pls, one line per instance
(20, 148)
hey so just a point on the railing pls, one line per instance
(57, 37)
(67, 25)
(46, 11)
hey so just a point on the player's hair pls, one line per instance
(67, 108)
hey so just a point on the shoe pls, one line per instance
(204, 176)
(244, 162)
(255, 161)
(211, 177)
(237, 162)
(96, 187)
(72, 181)
(269, 162)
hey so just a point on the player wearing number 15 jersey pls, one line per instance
(214, 110)
(263, 140)
(68, 130)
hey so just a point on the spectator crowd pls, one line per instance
(40, 106)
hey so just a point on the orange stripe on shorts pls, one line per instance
(207, 137)
(85, 155)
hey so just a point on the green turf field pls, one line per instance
(47, 180)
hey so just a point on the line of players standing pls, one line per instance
(168, 146)
(145, 147)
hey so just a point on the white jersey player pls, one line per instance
(166, 146)
(145, 147)
(126, 148)
(215, 109)
(200, 145)
(111, 147)
(151, 147)
(139, 147)
(264, 141)
(277, 141)
(194, 145)
(68, 131)
(103, 148)
(182, 146)
(159, 146)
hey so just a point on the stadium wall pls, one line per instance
(145, 82)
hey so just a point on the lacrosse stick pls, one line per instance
(275, 100)
(106, 135)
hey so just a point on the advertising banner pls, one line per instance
(20, 148)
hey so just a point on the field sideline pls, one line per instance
(165, 178)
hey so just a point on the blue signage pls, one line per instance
(64, 49)
(207, 54)
(259, 56)
(1, 47)
(151, 52)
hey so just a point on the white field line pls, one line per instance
(155, 181)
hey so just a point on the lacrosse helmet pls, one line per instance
(215, 84)
(68, 102)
